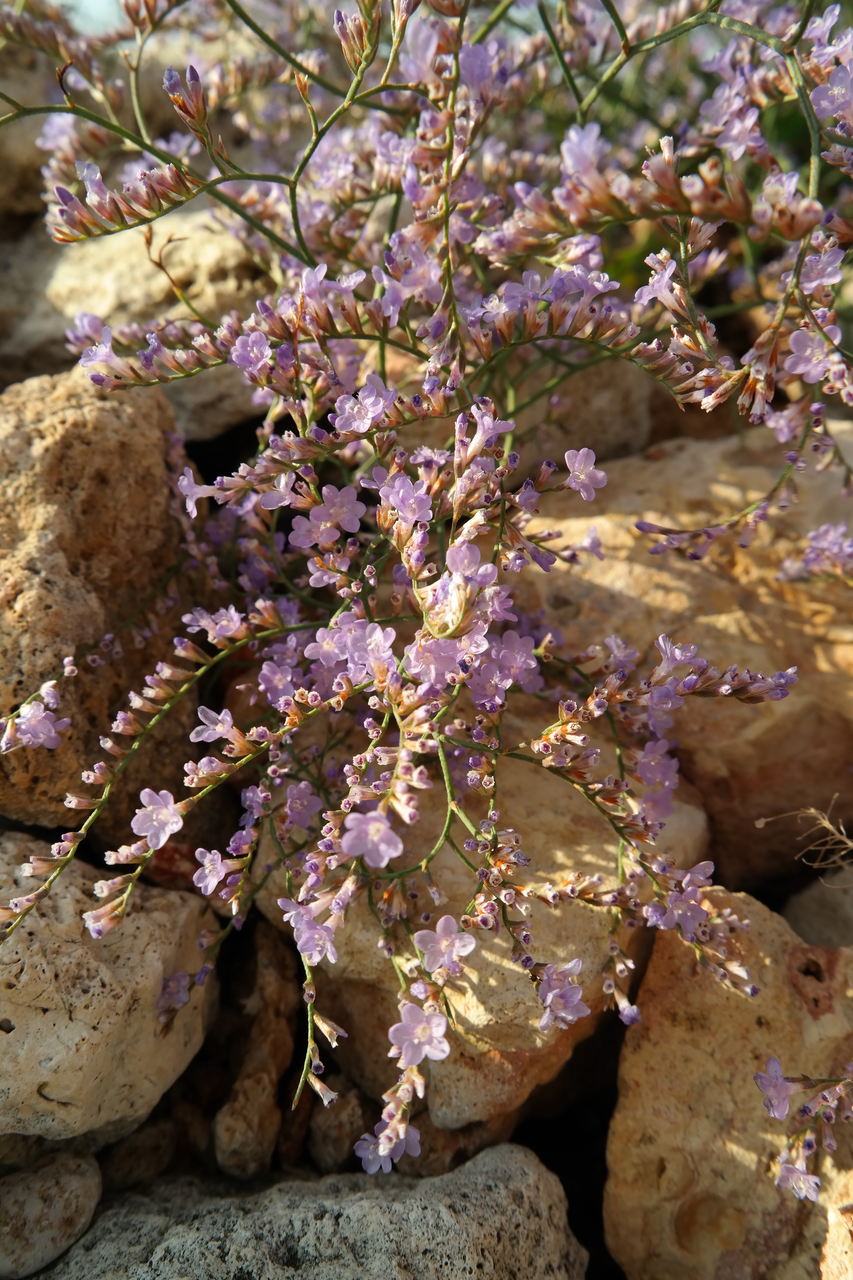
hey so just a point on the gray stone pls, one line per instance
(44, 1210)
(501, 1215)
(822, 913)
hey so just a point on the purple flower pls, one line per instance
(373, 1157)
(584, 475)
(821, 270)
(252, 353)
(408, 498)
(810, 353)
(35, 726)
(192, 492)
(281, 495)
(360, 412)
(211, 871)
(340, 509)
(418, 1035)
(776, 1089)
(222, 625)
(302, 804)
(214, 725)
(805, 1186)
(835, 98)
(659, 288)
(371, 837)
(158, 819)
(561, 995)
(174, 994)
(444, 946)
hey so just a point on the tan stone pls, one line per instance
(28, 77)
(691, 1150)
(44, 1210)
(86, 541)
(500, 1054)
(747, 762)
(47, 285)
(87, 1050)
(246, 1127)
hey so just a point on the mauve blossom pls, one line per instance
(214, 725)
(418, 1035)
(584, 476)
(444, 946)
(810, 352)
(35, 726)
(776, 1089)
(252, 353)
(835, 98)
(371, 837)
(561, 995)
(373, 1160)
(340, 509)
(408, 499)
(158, 819)
(805, 1186)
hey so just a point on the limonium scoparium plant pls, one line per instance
(457, 209)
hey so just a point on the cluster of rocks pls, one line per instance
(97, 1096)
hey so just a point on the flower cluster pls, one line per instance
(451, 222)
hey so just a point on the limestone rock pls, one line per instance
(28, 77)
(141, 1156)
(747, 762)
(85, 540)
(87, 1050)
(500, 1055)
(246, 1127)
(47, 285)
(44, 1210)
(502, 1214)
(822, 913)
(691, 1150)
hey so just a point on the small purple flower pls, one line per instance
(37, 727)
(371, 837)
(835, 98)
(211, 871)
(192, 492)
(584, 475)
(373, 1157)
(252, 353)
(776, 1089)
(340, 509)
(444, 946)
(418, 1035)
(158, 819)
(805, 1186)
(175, 993)
(302, 804)
(214, 725)
(810, 353)
(561, 995)
(407, 498)
(360, 412)
(281, 494)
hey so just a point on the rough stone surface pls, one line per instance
(85, 539)
(44, 1210)
(246, 1127)
(747, 762)
(500, 1054)
(691, 1150)
(47, 285)
(822, 913)
(28, 77)
(87, 1051)
(501, 1215)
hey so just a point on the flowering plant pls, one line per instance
(456, 212)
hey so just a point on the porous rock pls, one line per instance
(47, 285)
(691, 1150)
(748, 763)
(86, 539)
(499, 1052)
(246, 1127)
(43, 1210)
(86, 1050)
(502, 1214)
(27, 76)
